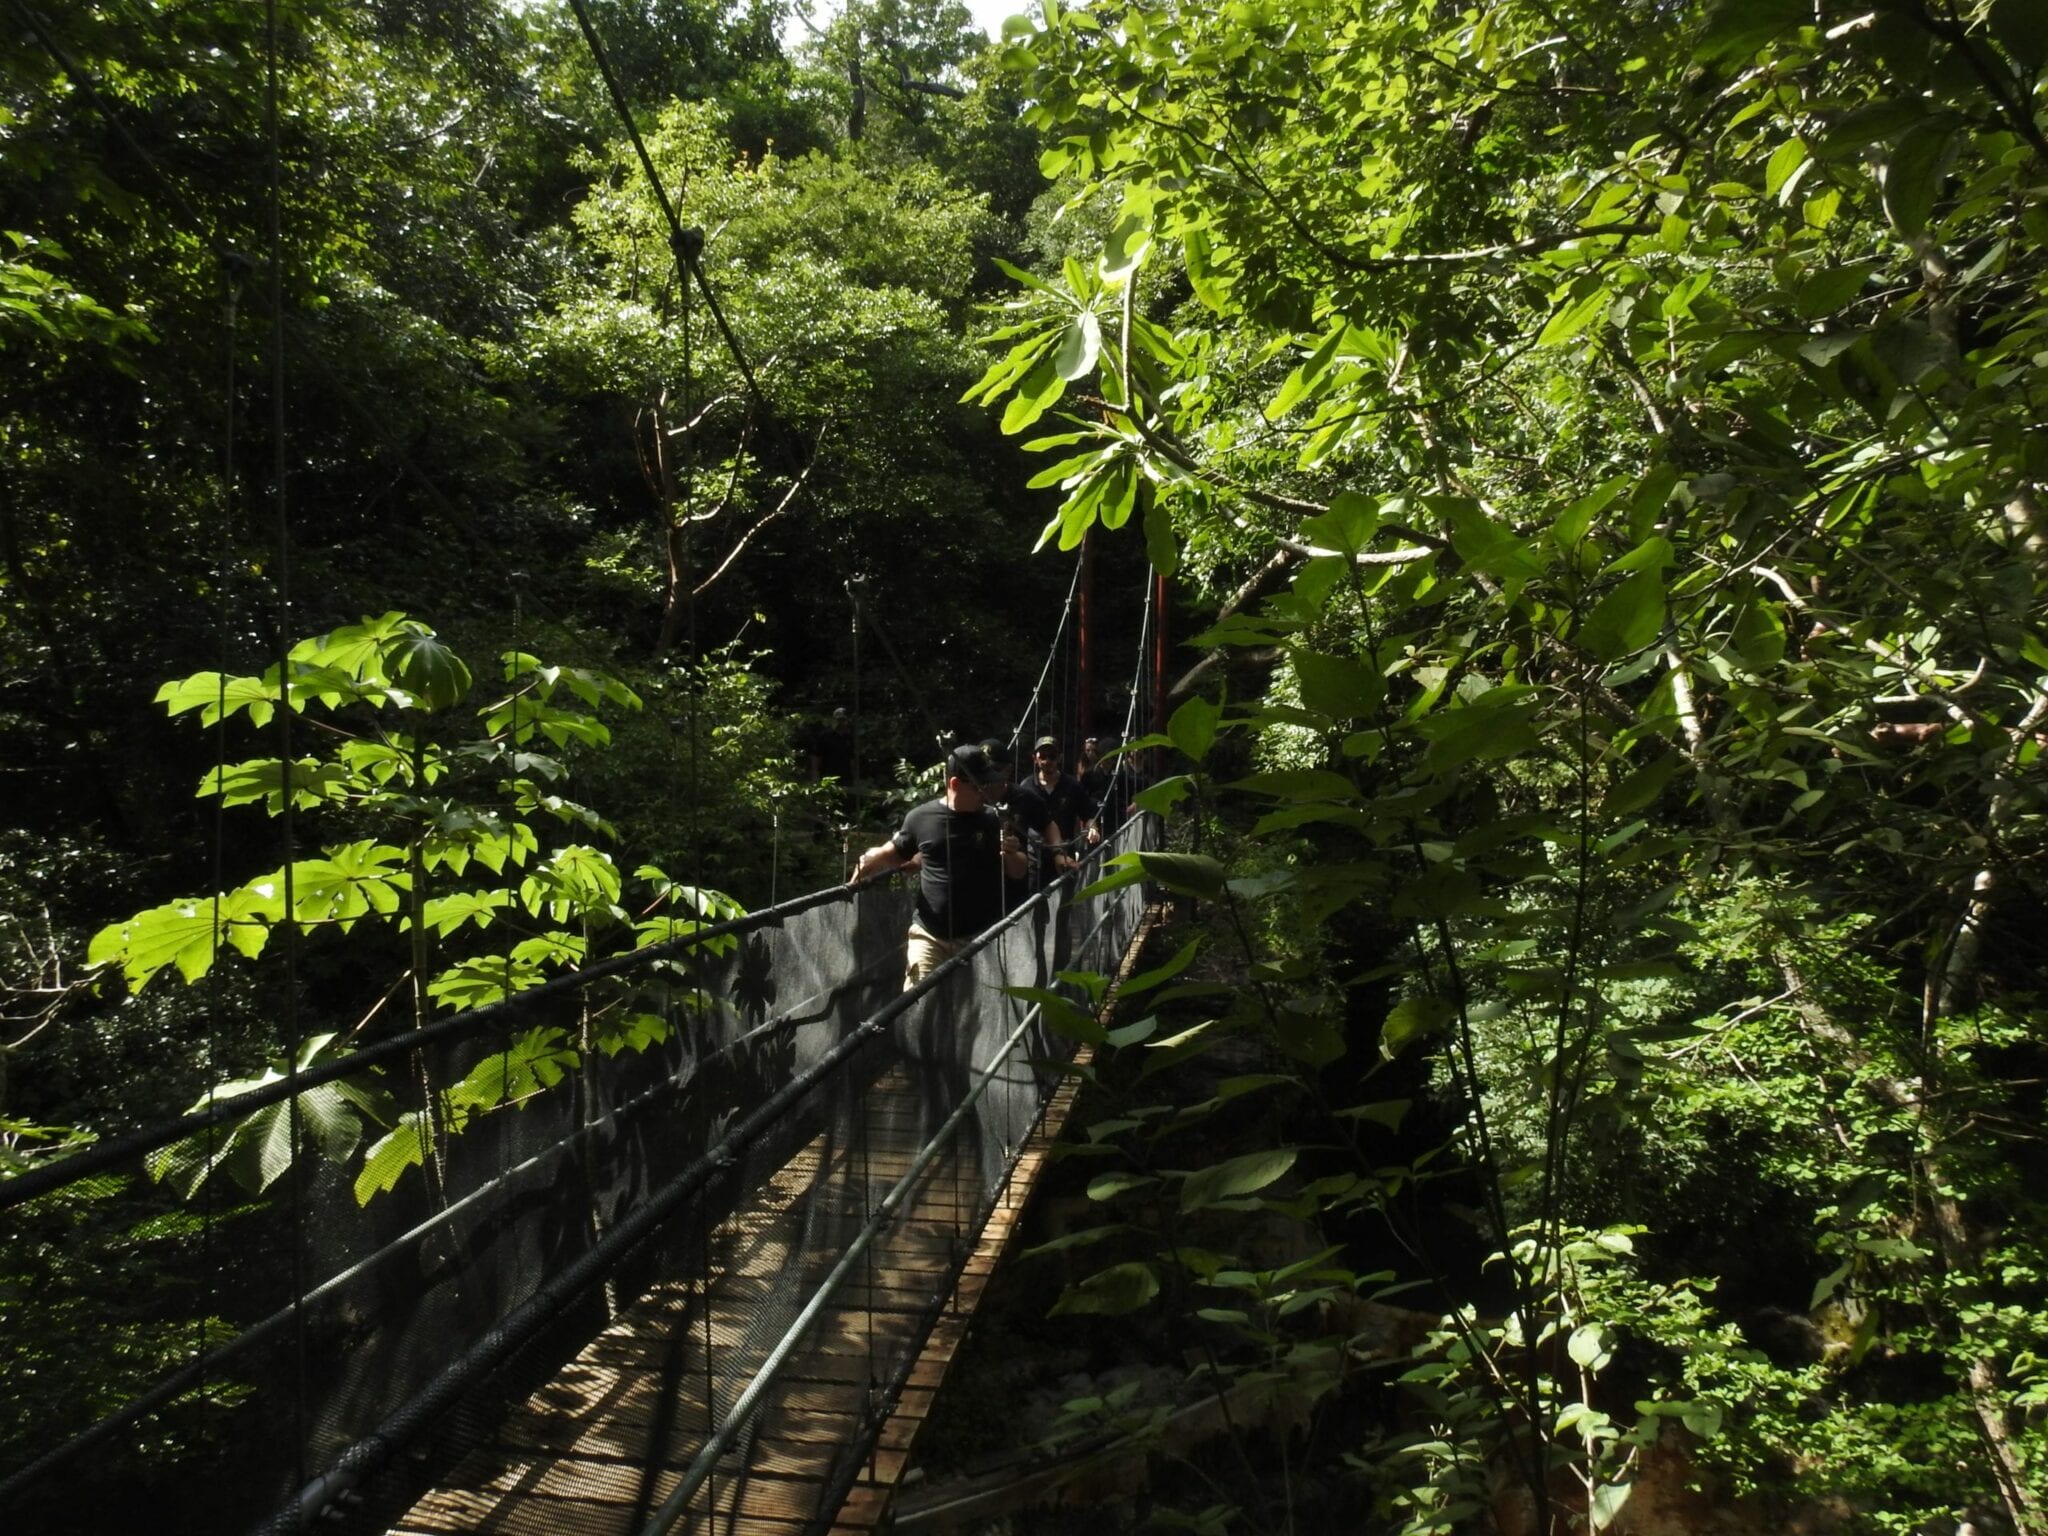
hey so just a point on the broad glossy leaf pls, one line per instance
(1348, 527)
(1193, 727)
(1337, 686)
(1162, 546)
(1237, 1177)
(1039, 389)
(1641, 787)
(1412, 1019)
(1573, 316)
(1759, 634)
(1075, 356)
(1627, 618)
(1191, 874)
(1484, 542)
(419, 662)
(1591, 1346)
(1911, 178)
(1606, 1502)
(1112, 1292)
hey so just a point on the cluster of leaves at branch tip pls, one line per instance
(457, 807)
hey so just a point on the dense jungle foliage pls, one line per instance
(1598, 452)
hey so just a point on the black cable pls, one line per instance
(32, 1183)
(289, 1008)
(853, 590)
(686, 244)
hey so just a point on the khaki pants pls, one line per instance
(926, 954)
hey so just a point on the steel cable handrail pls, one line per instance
(195, 1371)
(100, 1156)
(664, 1518)
(526, 1320)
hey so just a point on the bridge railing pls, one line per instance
(222, 1362)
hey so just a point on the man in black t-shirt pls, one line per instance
(1055, 807)
(961, 854)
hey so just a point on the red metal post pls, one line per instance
(1159, 651)
(1084, 709)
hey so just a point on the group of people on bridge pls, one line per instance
(987, 844)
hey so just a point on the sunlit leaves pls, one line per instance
(256, 1150)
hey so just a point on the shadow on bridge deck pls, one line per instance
(597, 1450)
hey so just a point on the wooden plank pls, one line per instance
(598, 1448)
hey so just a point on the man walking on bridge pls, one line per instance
(961, 853)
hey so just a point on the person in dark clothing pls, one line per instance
(961, 854)
(1031, 814)
(1054, 806)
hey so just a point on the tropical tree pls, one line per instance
(1612, 428)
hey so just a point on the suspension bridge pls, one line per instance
(709, 1285)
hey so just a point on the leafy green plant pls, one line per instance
(462, 852)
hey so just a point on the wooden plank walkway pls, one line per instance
(868, 1501)
(598, 1449)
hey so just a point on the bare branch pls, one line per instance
(789, 496)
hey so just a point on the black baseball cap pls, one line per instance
(972, 764)
(1046, 741)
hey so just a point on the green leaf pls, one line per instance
(1574, 520)
(1911, 177)
(1190, 874)
(1040, 388)
(1348, 527)
(183, 933)
(1484, 542)
(1591, 1346)
(1336, 686)
(403, 1147)
(1703, 1419)
(426, 668)
(1785, 161)
(1107, 1186)
(1193, 727)
(1653, 554)
(1606, 1502)
(1237, 1177)
(1162, 549)
(1159, 975)
(257, 1150)
(1487, 730)
(1573, 317)
(1161, 798)
(1123, 250)
(1075, 356)
(221, 697)
(1639, 788)
(1412, 1019)
(1627, 619)
(1119, 493)
(1830, 290)
(1112, 1292)
(1388, 1112)
(1759, 636)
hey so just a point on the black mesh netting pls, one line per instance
(539, 1329)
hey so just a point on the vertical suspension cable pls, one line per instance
(1052, 654)
(1124, 770)
(207, 1256)
(289, 1022)
(693, 683)
(511, 936)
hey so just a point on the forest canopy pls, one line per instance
(1597, 450)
